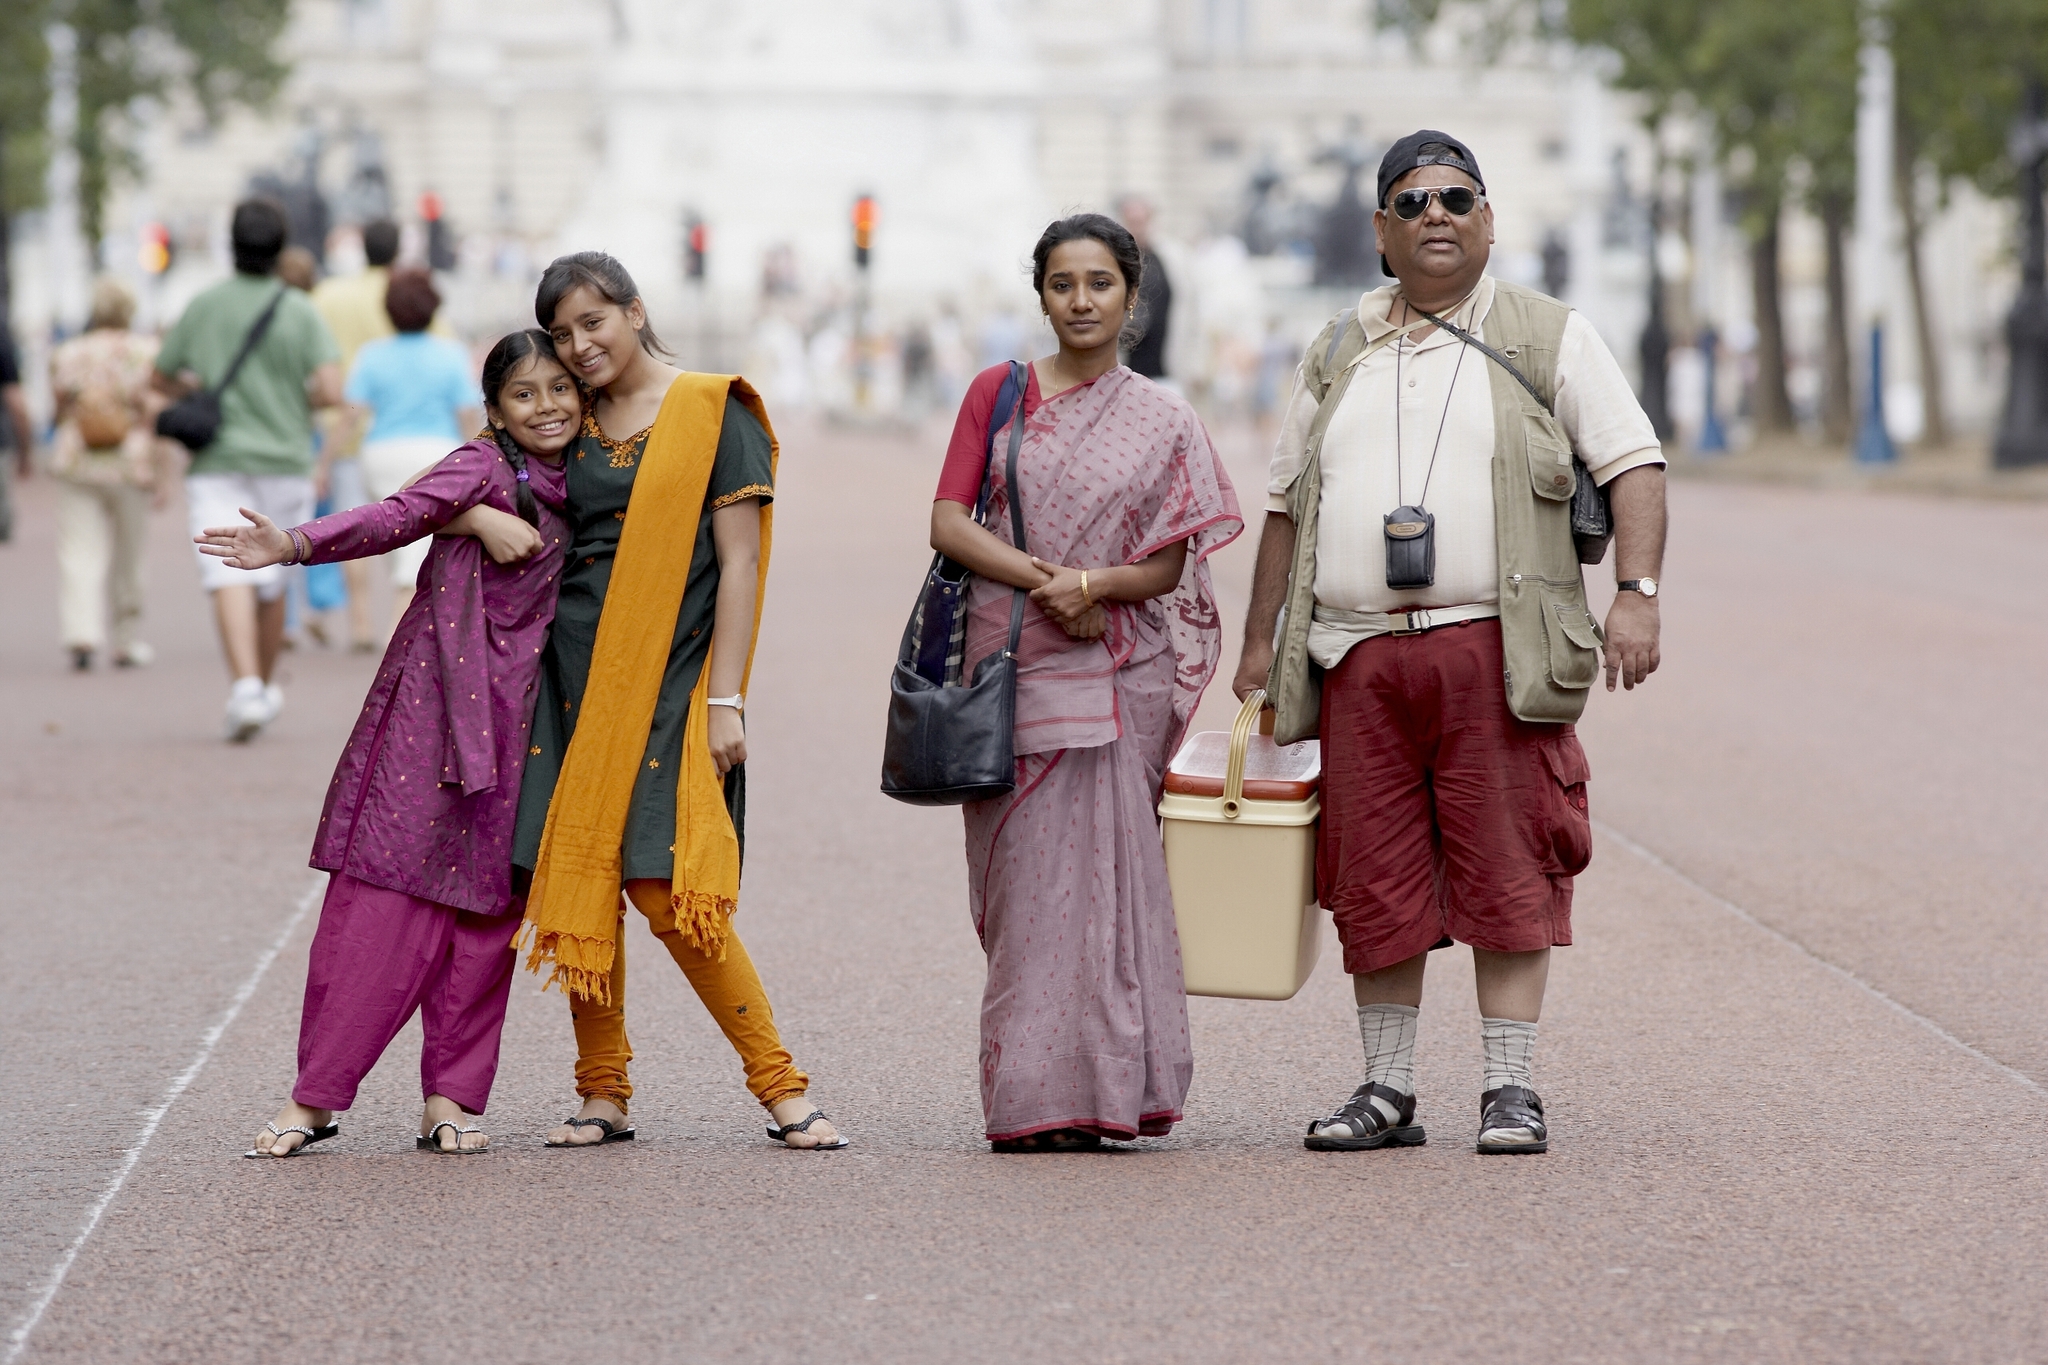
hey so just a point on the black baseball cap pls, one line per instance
(1426, 148)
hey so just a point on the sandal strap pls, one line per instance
(1365, 1118)
(606, 1124)
(276, 1131)
(805, 1126)
(1511, 1106)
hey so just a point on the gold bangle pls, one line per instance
(1086, 600)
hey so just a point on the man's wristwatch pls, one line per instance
(1646, 586)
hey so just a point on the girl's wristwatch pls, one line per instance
(737, 702)
(1646, 586)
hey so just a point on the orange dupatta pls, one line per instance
(573, 906)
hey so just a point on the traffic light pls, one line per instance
(156, 249)
(863, 228)
(440, 242)
(696, 245)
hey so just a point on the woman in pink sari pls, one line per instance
(1084, 1026)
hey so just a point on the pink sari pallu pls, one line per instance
(1111, 472)
(1084, 1019)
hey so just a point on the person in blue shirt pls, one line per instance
(420, 395)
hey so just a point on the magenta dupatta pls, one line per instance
(1110, 472)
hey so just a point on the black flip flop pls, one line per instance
(781, 1134)
(612, 1133)
(431, 1142)
(313, 1135)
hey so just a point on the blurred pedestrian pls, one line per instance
(261, 457)
(1084, 1025)
(1162, 328)
(636, 778)
(15, 432)
(1437, 634)
(353, 308)
(109, 476)
(418, 824)
(413, 395)
(299, 268)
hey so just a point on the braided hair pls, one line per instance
(513, 350)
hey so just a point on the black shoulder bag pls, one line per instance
(1592, 517)
(951, 740)
(194, 420)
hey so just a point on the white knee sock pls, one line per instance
(1510, 1047)
(1389, 1034)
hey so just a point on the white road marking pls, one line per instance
(1607, 831)
(17, 1341)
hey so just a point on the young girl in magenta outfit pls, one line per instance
(417, 830)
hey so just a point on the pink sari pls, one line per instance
(1084, 1020)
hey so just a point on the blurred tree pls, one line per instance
(1961, 73)
(1776, 81)
(217, 51)
(24, 105)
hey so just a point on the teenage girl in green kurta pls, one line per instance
(591, 307)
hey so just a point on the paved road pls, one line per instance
(1796, 1063)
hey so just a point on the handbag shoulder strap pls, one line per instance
(1008, 399)
(249, 342)
(1495, 356)
(1016, 506)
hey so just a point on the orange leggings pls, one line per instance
(731, 990)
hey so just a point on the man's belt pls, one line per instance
(1369, 623)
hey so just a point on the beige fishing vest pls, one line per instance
(1550, 638)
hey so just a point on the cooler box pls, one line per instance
(1239, 820)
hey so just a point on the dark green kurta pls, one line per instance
(601, 474)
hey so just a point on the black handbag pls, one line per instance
(952, 740)
(1592, 515)
(194, 420)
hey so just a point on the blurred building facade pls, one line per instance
(537, 126)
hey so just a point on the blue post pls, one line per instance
(1713, 439)
(1873, 441)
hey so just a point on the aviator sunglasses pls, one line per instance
(1457, 200)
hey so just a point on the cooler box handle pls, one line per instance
(1240, 740)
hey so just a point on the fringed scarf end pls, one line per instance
(582, 966)
(705, 920)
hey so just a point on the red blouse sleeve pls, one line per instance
(967, 452)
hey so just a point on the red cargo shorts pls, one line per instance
(1444, 817)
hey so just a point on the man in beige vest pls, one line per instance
(1431, 500)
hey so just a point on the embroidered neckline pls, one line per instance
(622, 453)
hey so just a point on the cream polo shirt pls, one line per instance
(1440, 383)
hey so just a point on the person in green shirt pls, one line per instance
(262, 456)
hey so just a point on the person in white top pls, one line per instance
(1446, 817)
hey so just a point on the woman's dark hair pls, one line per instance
(258, 233)
(1108, 231)
(602, 272)
(513, 350)
(411, 300)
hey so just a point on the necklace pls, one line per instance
(1430, 472)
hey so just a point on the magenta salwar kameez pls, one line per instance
(417, 829)
(1084, 1021)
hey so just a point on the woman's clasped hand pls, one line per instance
(1061, 597)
